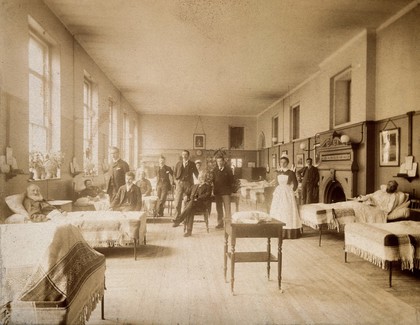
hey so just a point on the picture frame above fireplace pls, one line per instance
(389, 147)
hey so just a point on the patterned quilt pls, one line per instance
(49, 274)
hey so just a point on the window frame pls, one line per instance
(46, 82)
(340, 102)
(90, 128)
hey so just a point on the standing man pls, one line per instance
(164, 184)
(310, 179)
(222, 188)
(117, 173)
(184, 171)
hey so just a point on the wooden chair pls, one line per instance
(414, 203)
(169, 200)
(204, 212)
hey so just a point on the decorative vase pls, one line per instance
(51, 172)
(38, 172)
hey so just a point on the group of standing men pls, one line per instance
(221, 177)
(126, 196)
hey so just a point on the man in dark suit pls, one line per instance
(198, 200)
(128, 197)
(165, 176)
(222, 187)
(310, 179)
(184, 171)
(117, 173)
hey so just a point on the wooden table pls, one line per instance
(272, 229)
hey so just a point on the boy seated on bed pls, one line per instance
(38, 208)
(385, 198)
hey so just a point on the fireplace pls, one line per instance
(337, 170)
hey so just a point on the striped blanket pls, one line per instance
(49, 274)
(383, 243)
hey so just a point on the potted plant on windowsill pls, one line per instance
(37, 164)
(53, 162)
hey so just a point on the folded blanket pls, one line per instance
(383, 242)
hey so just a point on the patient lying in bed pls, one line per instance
(384, 205)
(385, 199)
(36, 206)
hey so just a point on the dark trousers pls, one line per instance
(309, 194)
(188, 215)
(181, 190)
(162, 193)
(222, 201)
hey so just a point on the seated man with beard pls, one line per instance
(38, 208)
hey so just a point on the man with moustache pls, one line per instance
(184, 171)
(165, 179)
(117, 173)
(310, 178)
(128, 197)
(222, 188)
(198, 200)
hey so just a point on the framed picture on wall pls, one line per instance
(274, 160)
(199, 141)
(284, 153)
(300, 157)
(389, 147)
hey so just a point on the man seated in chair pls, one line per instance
(128, 197)
(144, 184)
(198, 199)
(38, 208)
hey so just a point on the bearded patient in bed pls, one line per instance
(38, 208)
(385, 198)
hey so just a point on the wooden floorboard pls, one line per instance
(178, 280)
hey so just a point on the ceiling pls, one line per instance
(214, 57)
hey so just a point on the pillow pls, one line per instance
(401, 198)
(15, 203)
(16, 218)
(402, 211)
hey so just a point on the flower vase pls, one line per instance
(38, 171)
(51, 172)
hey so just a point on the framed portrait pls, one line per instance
(300, 158)
(389, 147)
(199, 141)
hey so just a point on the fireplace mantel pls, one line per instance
(337, 163)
